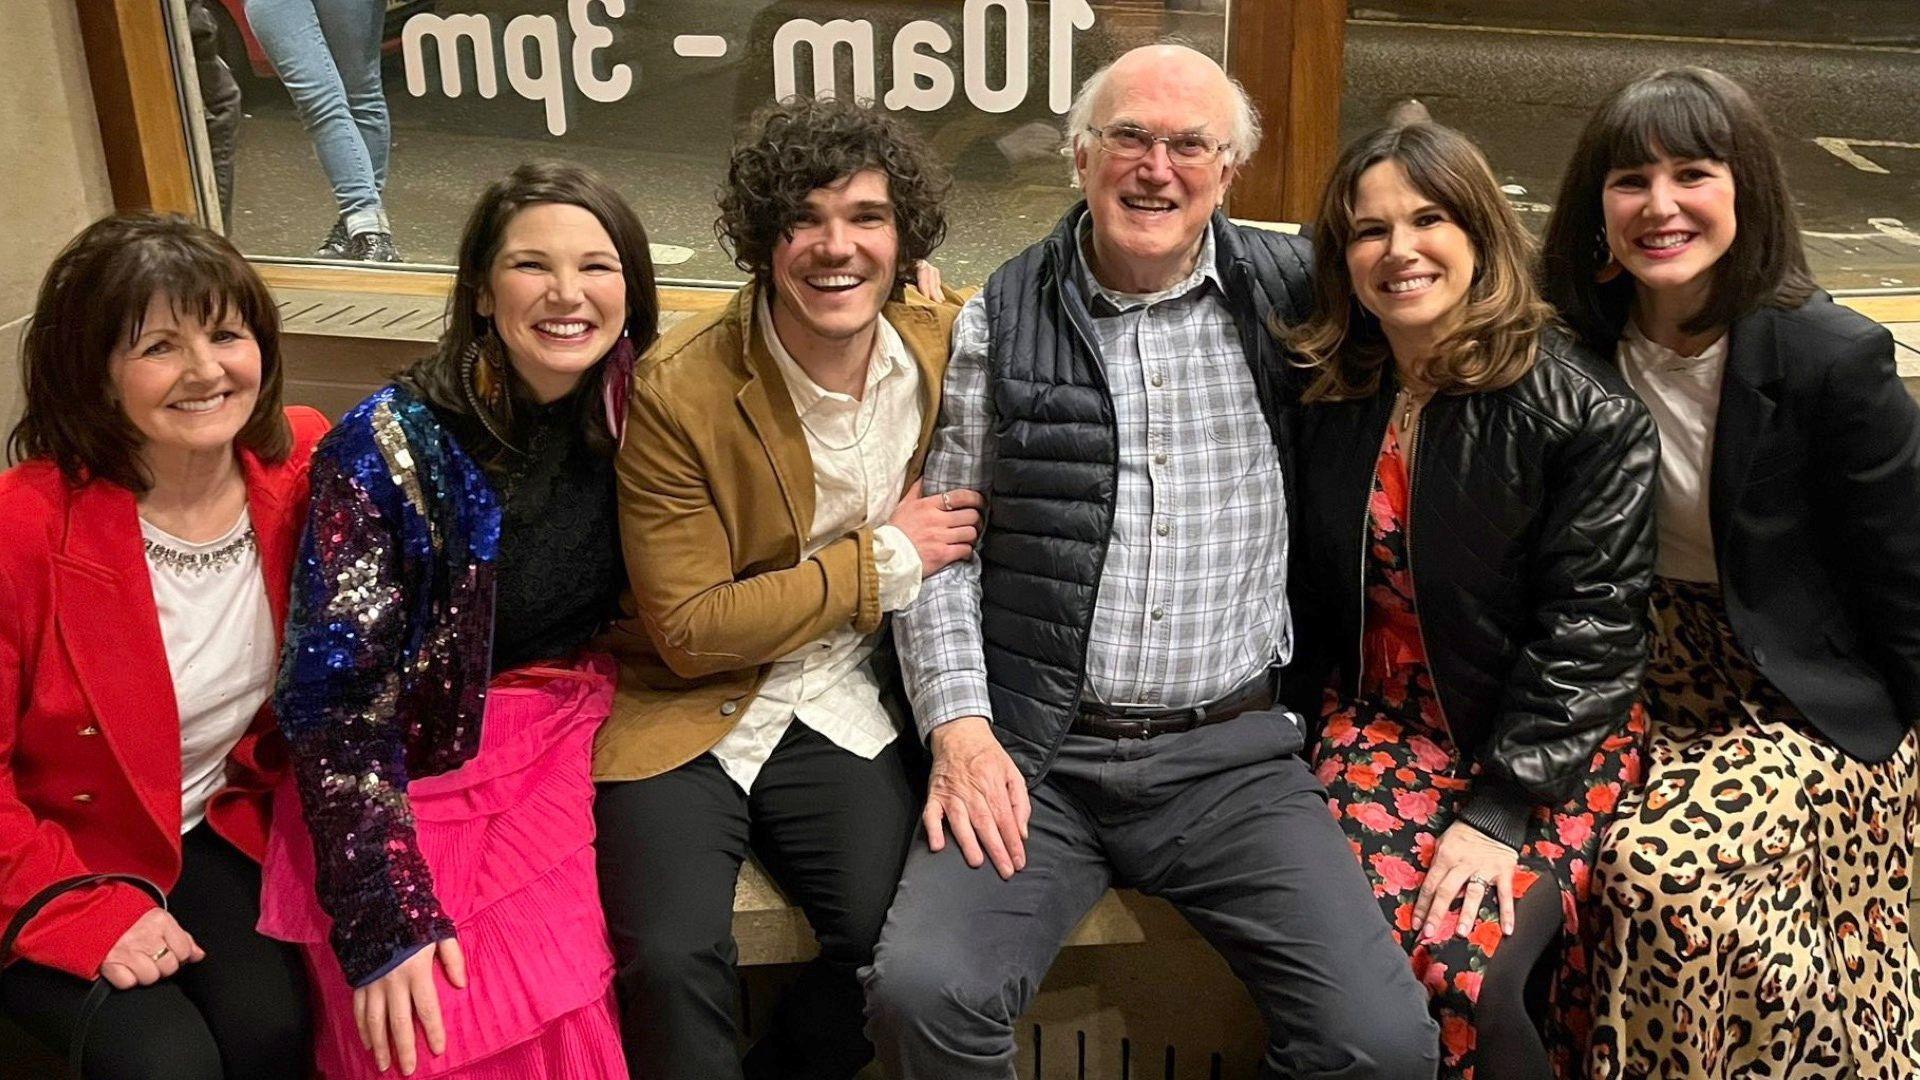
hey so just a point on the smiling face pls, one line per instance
(1668, 222)
(556, 295)
(1148, 214)
(834, 269)
(187, 386)
(1410, 261)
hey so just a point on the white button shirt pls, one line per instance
(860, 449)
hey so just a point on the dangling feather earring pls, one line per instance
(485, 375)
(616, 383)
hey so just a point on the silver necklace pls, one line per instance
(195, 563)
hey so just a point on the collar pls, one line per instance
(1651, 356)
(1112, 301)
(889, 356)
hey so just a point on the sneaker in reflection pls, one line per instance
(335, 245)
(372, 247)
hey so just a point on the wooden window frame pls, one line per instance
(1287, 53)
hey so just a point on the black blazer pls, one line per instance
(1814, 495)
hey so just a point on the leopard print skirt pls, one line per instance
(1754, 896)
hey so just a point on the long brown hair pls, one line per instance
(1687, 113)
(441, 377)
(93, 302)
(1499, 330)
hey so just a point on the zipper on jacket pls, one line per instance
(1366, 542)
(1413, 591)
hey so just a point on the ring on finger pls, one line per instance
(946, 501)
(161, 954)
(1479, 879)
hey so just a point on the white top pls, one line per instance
(860, 449)
(1683, 394)
(218, 630)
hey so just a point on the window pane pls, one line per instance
(1835, 80)
(652, 98)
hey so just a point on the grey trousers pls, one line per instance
(1227, 824)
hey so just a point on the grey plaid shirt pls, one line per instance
(1192, 600)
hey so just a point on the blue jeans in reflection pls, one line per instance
(327, 54)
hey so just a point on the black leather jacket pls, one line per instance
(1531, 542)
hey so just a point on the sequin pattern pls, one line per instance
(387, 661)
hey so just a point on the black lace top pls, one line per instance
(560, 571)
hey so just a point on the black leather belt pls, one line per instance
(1134, 722)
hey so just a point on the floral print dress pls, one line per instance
(1395, 781)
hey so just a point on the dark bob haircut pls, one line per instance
(1685, 113)
(93, 304)
(441, 378)
(805, 143)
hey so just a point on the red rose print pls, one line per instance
(1457, 1036)
(1486, 935)
(1382, 731)
(1602, 799)
(1363, 777)
(1575, 830)
(1428, 755)
(1373, 816)
(1398, 874)
(1416, 806)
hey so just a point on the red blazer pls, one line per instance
(89, 732)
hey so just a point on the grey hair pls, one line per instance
(1243, 137)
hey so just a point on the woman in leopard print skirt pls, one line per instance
(1756, 892)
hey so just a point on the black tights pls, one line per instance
(239, 1014)
(1509, 1046)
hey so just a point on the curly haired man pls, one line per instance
(769, 528)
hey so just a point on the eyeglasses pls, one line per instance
(1188, 149)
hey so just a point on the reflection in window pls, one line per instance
(652, 97)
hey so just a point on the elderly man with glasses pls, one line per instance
(1098, 685)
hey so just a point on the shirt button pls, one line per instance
(1159, 613)
(1759, 658)
(1160, 458)
(728, 708)
(1157, 379)
(1162, 529)
(83, 797)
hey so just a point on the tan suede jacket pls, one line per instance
(716, 499)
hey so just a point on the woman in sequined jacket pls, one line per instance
(461, 551)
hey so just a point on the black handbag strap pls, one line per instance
(97, 993)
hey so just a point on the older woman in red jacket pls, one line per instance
(150, 530)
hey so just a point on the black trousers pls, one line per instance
(239, 1014)
(830, 827)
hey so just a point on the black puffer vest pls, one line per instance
(1056, 463)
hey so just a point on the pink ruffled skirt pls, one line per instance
(509, 837)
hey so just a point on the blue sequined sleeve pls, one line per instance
(340, 695)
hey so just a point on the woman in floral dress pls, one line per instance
(1477, 719)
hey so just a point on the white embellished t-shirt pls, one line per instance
(218, 629)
